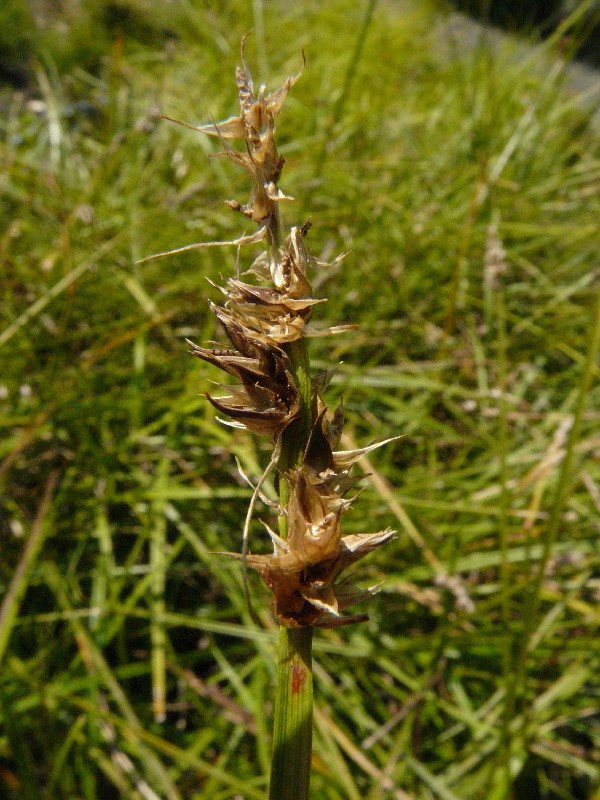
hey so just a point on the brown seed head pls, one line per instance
(261, 321)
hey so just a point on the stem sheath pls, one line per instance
(292, 735)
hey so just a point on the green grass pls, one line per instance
(128, 661)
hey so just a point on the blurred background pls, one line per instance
(453, 151)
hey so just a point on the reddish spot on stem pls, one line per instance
(298, 678)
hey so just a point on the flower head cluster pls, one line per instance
(265, 321)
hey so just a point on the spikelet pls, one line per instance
(303, 570)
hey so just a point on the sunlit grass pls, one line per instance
(418, 159)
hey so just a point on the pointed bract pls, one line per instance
(268, 400)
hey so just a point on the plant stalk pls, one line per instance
(292, 730)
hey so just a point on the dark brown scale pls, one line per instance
(244, 90)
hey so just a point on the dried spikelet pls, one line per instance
(256, 126)
(303, 571)
(495, 258)
(268, 400)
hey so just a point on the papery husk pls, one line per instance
(302, 572)
(268, 400)
(255, 125)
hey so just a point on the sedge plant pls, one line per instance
(267, 321)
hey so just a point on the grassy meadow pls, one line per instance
(464, 184)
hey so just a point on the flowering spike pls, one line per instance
(266, 321)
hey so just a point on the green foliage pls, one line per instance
(128, 659)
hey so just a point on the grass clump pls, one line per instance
(465, 186)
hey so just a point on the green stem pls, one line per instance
(292, 734)
(295, 436)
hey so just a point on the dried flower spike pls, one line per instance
(267, 322)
